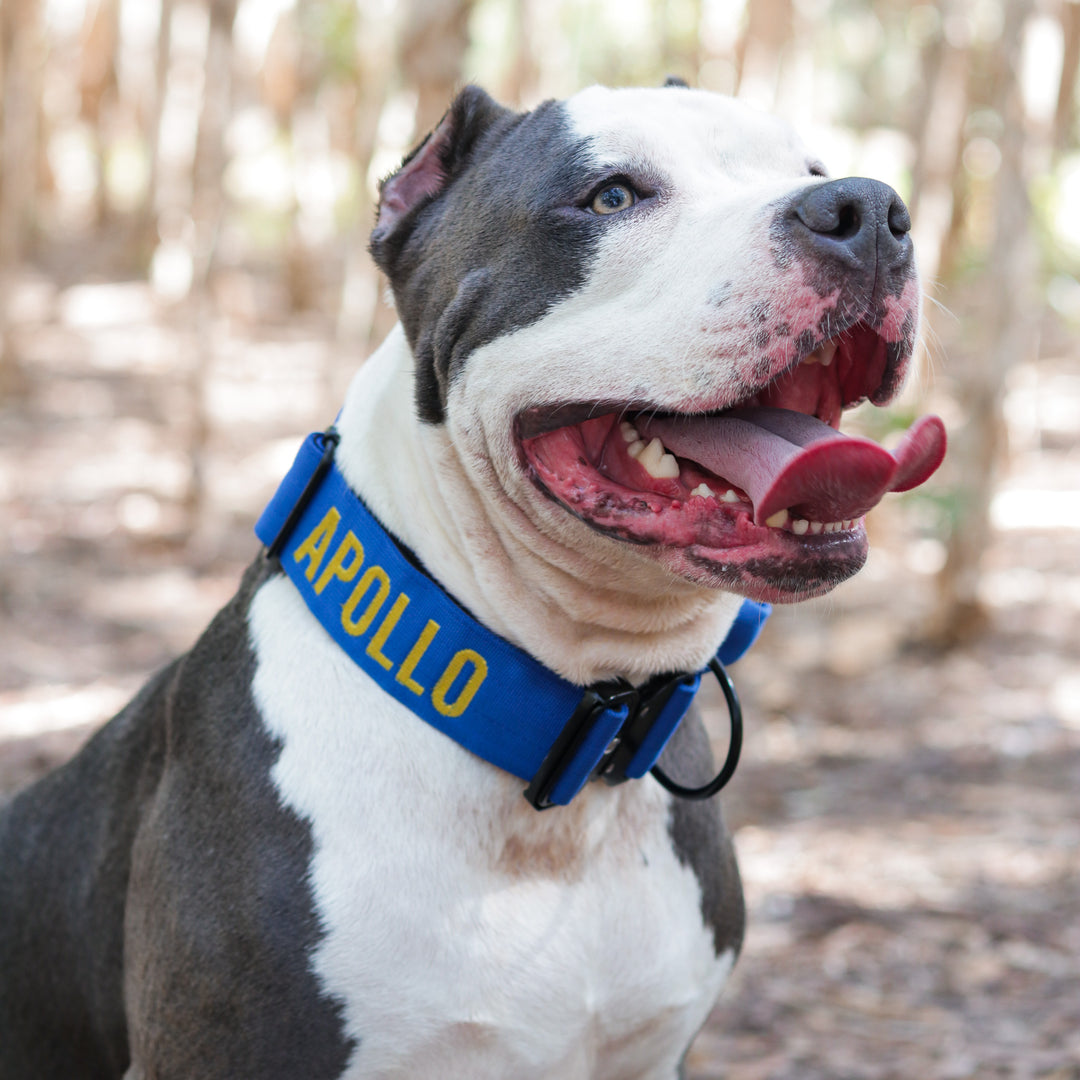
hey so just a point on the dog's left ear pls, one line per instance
(432, 166)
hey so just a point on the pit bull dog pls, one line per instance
(630, 322)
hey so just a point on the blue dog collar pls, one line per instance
(426, 651)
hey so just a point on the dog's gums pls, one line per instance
(769, 482)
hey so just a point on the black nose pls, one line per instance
(860, 224)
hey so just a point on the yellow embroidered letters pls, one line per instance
(318, 542)
(466, 670)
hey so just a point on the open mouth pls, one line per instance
(766, 496)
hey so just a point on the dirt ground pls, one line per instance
(908, 822)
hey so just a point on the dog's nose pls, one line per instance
(861, 224)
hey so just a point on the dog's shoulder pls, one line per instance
(220, 920)
(701, 839)
(137, 836)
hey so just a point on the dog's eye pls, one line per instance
(612, 198)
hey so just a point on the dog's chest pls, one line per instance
(464, 933)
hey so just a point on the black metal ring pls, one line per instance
(734, 744)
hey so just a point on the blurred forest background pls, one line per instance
(185, 192)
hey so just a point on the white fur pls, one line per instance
(466, 935)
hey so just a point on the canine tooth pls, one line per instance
(635, 448)
(815, 528)
(778, 520)
(703, 490)
(658, 464)
(730, 496)
(629, 432)
(653, 452)
(651, 456)
(822, 355)
(799, 526)
(668, 469)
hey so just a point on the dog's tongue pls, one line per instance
(788, 460)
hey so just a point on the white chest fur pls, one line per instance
(467, 935)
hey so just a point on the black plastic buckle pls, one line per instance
(330, 438)
(644, 705)
(596, 700)
(652, 700)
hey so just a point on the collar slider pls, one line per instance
(607, 704)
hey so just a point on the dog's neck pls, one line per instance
(582, 609)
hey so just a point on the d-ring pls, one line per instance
(734, 744)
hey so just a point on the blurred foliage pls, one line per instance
(857, 75)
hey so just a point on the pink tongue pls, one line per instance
(788, 460)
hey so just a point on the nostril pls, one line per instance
(837, 210)
(899, 220)
(849, 222)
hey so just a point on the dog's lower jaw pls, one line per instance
(582, 604)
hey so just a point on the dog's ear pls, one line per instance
(432, 166)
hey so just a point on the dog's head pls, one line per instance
(642, 312)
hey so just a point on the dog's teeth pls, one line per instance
(799, 526)
(657, 463)
(778, 520)
(635, 448)
(845, 525)
(703, 490)
(816, 528)
(833, 526)
(669, 467)
(731, 496)
(629, 432)
(666, 468)
(822, 355)
(651, 455)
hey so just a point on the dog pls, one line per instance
(629, 323)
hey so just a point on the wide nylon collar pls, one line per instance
(426, 651)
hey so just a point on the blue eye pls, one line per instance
(613, 198)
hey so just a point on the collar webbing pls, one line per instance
(423, 649)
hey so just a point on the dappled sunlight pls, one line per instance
(60, 708)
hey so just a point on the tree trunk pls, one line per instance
(523, 77)
(979, 446)
(21, 57)
(1065, 113)
(207, 208)
(146, 226)
(760, 56)
(361, 285)
(940, 146)
(434, 37)
(98, 86)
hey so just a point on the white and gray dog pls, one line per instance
(630, 323)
